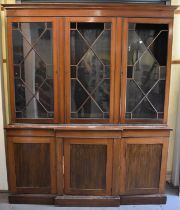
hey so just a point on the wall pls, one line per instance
(174, 92)
(3, 100)
(175, 86)
(3, 174)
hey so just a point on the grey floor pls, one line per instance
(173, 203)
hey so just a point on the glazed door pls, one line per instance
(146, 70)
(33, 69)
(88, 166)
(90, 66)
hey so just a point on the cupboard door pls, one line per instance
(90, 69)
(145, 165)
(31, 162)
(146, 69)
(33, 69)
(88, 166)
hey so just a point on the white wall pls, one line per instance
(175, 86)
(3, 173)
(3, 68)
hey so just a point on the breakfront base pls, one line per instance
(45, 199)
(87, 201)
(143, 199)
(105, 201)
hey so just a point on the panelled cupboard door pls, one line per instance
(145, 165)
(90, 64)
(88, 166)
(146, 64)
(31, 162)
(32, 44)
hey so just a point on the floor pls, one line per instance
(173, 203)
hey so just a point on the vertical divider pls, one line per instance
(53, 165)
(168, 71)
(113, 70)
(56, 68)
(11, 166)
(67, 69)
(116, 166)
(122, 166)
(61, 68)
(11, 72)
(162, 180)
(59, 160)
(124, 70)
(117, 72)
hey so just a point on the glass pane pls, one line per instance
(32, 32)
(44, 45)
(128, 115)
(102, 47)
(107, 26)
(33, 69)
(156, 96)
(73, 72)
(90, 70)
(78, 95)
(34, 109)
(136, 47)
(160, 115)
(146, 70)
(20, 98)
(17, 72)
(73, 25)
(90, 110)
(101, 95)
(44, 95)
(144, 111)
(134, 95)
(90, 31)
(129, 72)
(163, 72)
(15, 25)
(153, 35)
(78, 47)
(20, 47)
(107, 72)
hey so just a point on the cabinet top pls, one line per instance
(118, 127)
(89, 9)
